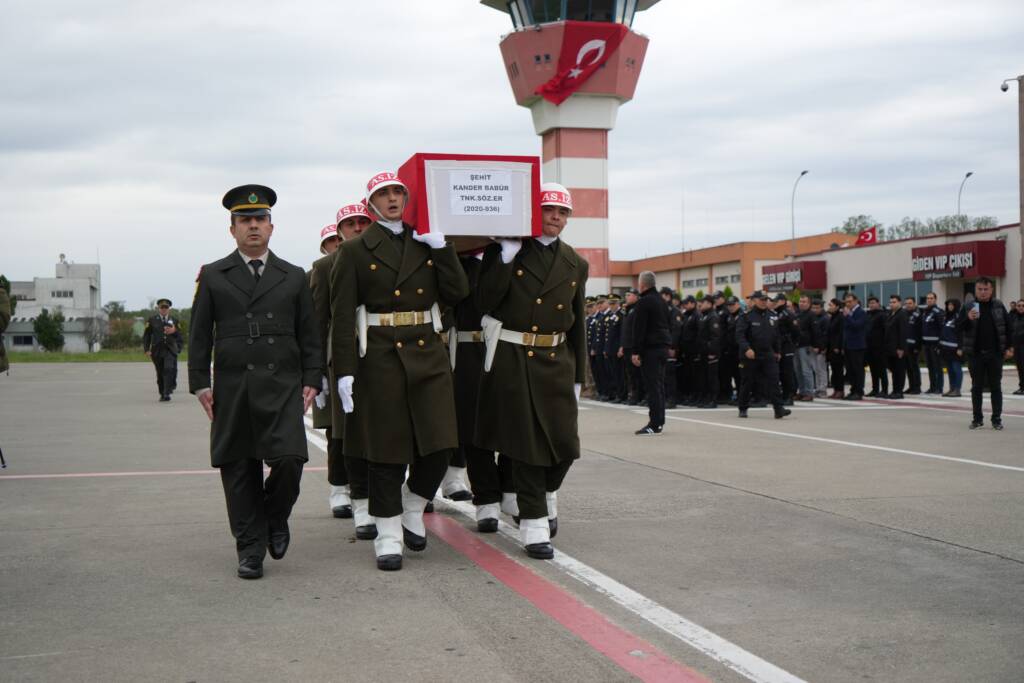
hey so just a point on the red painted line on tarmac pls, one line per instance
(151, 473)
(636, 656)
(917, 404)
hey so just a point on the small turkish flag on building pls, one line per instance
(869, 236)
(586, 46)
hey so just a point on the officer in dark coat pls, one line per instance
(533, 294)
(932, 320)
(878, 352)
(836, 361)
(728, 363)
(252, 316)
(789, 331)
(760, 345)
(634, 383)
(394, 373)
(612, 345)
(709, 343)
(688, 388)
(912, 357)
(162, 343)
(895, 332)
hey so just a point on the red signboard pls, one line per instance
(802, 275)
(960, 260)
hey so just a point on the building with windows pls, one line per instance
(946, 264)
(74, 291)
(715, 268)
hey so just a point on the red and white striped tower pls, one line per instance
(575, 131)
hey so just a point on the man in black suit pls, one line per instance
(162, 343)
(651, 339)
(897, 330)
(256, 312)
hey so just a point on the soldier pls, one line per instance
(709, 343)
(600, 337)
(932, 320)
(675, 326)
(914, 319)
(162, 341)
(612, 346)
(760, 344)
(532, 291)
(252, 316)
(788, 331)
(728, 364)
(396, 387)
(689, 391)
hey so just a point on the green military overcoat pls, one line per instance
(264, 345)
(5, 320)
(527, 408)
(403, 393)
(319, 287)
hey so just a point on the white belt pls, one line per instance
(399, 318)
(531, 339)
(476, 336)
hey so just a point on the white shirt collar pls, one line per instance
(394, 226)
(546, 240)
(247, 259)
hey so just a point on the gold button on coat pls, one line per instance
(419, 290)
(373, 266)
(534, 328)
(551, 355)
(540, 301)
(559, 306)
(530, 354)
(398, 292)
(519, 273)
(430, 262)
(421, 342)
(399, 344)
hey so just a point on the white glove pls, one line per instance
(509, 249)
(434, 240)
(321, 398)
(577, 388)
(345, 393)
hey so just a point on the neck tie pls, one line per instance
(256, 265)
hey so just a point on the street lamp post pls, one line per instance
(1020, 177)
(792, 216)
(958, 194)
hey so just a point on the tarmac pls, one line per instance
(849, 542)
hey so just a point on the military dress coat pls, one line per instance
(156, 341)
(263, 341)
(527, 408)
(469, 358)
(320, 288)
(403, 390)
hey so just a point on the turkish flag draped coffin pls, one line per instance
(471, 197)
(586, 46)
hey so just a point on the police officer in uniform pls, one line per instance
(162, 343)
(932, 320)
(532, 291)
(688, 351)
(252, 316)
(728, 364)
(789, 332)
(396, 384)
(675, 326)
(612, 346)
(760, 345)
(914, 319)
(709, 343)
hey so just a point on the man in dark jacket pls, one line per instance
(896, 331)
(252, 316)
(162, 343)
(912, 357)
(1018, 344)
(835, 356)
(612, 344)
(877, 350)
(788, 331)
(985, 325)
(932, 319)
(634, 382)
(709, 341)
(689, 386)
(652, 337)
(760, 346)
(855, 343)
(820, 347)
(728, 364)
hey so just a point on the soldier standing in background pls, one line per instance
(162, 343)
(709, 343)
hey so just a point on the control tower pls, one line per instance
(573, 63)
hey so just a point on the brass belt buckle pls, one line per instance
(477, 336)
(529, 339)
(405, 318)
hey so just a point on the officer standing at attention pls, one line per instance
(396, 385)
(532, 291)
(675, 327)
(932, 320)
(760, 344)
(612, 346)
(252, 316)
(688, 386)
(912, 357)
(895, 332)
(162, 343)
(651, 339)
(709, 341)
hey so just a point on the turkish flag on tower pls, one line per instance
(586, 46)
(869, 236)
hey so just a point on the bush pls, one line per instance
(122, 335)
(49, 330)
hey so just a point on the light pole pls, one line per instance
(1020, 176)
(792, 217)
(958, 194)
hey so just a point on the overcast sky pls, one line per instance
(122, 126)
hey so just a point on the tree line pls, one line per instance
(915, 227)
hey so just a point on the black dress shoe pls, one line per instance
(875, 394)
(459, 496)
(976, 423)
(367, 532)
(781, 413)
(997, 425)
(413, 541)
(164, 399)
(895, 396)
(913, 392)
(487, 526)
(743, 412)
(430, 507)
(1019, 392)
(342, 511)
(389, 563)
(540, 551)
(552, 527)
(278, 543)
(250, 568)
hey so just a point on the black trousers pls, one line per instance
(458, 459)
(728, 375)
(489, 477)
(710, 379)
(357, 471)
(166, 364)
(615, 380)
(255, 506)
(636, 382)
(787, 375)
(652, 367)
(336, 473)
(855, 371)
(671, 375)
(898, 369)
(385, 482)
(910, 358)
(1018, 357)
(533, 483)
(838, 377)
(597, 370)
(762, 374)
(879, 380)
(690, 386)
(986, 371)
(933, 359)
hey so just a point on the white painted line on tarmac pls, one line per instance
(855, 444)
(727, 653)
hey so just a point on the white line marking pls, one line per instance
(730, 655)
(839, 442)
